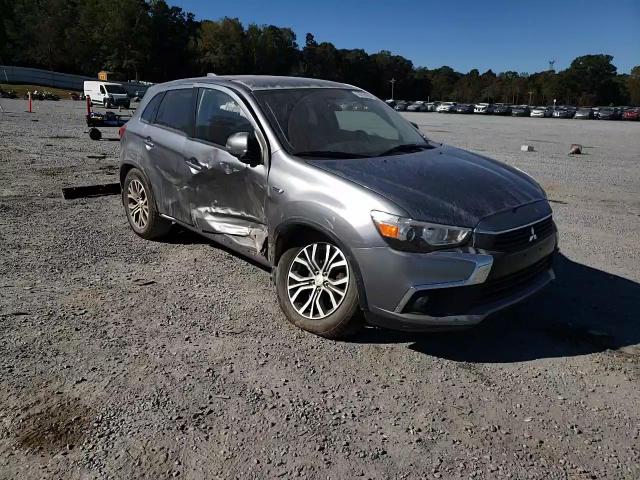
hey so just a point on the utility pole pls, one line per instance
(392, 82)
(530, 93)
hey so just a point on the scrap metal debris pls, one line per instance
(576, 149)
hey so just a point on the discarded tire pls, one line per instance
(95, 134)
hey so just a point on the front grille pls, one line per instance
(494, 289)
(515, 239)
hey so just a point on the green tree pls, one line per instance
(633, 85)
(272, 50)
(173, 34)
(590, 77)
(222, 47)
(443, 80)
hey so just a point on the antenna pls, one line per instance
(551, 64)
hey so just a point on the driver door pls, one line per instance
(227, 194)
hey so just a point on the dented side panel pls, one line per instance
(226, 196)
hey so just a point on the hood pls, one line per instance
(443, 185)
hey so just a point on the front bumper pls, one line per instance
(460, 289)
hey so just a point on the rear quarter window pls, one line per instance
(150, 111)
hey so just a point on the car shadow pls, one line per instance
(183, 236)
(584, 311)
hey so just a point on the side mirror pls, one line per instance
(244, 146)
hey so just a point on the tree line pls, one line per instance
(154, 41)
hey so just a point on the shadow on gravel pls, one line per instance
(584, 311)
(182, 236)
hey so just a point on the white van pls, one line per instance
(107, 94)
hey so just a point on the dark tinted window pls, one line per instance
(176, 110)
(149, 114)
(218, 116)
(115, 89)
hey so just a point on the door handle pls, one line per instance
(148, 143)
(194, 164)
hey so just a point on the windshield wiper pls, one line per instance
(329, 154)
(407, 147)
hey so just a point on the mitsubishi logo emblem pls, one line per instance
(533, 235)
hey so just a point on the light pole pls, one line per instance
(392, 82)
(530, 93)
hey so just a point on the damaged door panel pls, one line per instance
(164, 145)
(226, 194)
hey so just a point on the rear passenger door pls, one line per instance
(165, 140)
(228, 195)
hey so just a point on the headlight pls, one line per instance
(415, 236)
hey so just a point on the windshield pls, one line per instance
(336, 120)
(115, 89)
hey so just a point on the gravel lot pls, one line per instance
(122, 358)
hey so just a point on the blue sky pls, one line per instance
(521, 35)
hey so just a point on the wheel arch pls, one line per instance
(295, 232)
(124, 169)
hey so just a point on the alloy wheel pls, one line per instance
(138, 204)
(318, 280)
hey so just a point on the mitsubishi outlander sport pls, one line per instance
(351, 207)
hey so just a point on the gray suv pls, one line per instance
(357, 214)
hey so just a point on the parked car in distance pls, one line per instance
(584, 113)
(541, 112)
(446, 107)
(429, 106)
(520, 111)
(419, 106)
(390, 102)
(501, 109)
(275, 170)
(107, 94)
(631, 114)
(401, 105)
(463, 108)
(609, 113)
(562, 112)
(484, 108)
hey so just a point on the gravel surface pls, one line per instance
(122, 358)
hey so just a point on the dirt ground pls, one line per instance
(123, 359)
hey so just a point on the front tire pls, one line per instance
(317, 290)
(140, 205)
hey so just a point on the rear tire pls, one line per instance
(319, 296)
(140, 206)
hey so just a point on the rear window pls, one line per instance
(149, 114)
(176, 110)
